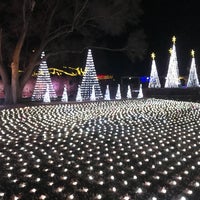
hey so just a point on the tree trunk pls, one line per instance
(8, 94)
(14, 82)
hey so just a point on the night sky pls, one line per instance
(161, 20)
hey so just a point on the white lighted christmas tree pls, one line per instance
(154, 81)
(43, 79)
(46, 97)
(78, 96)
(140, 94)
(118, 94)
(64, 95)
(193, 80)
(90, 79)
(129, 95)
(172, 79)
(93, 97)
(107, 93)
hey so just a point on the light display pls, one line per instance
(107, 93)
(64, 95)
(193, 80)
(120, 149)
(118, 94)
(93, 97)
(154, 81)
(90, 79)
(140, 94)
(69, 71)
(172, 79)
(129, 94)
(43, 79)
(78, 95)
(46, 98)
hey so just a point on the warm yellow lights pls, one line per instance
(174, 39)
(192, 53)
(153, 55)
(170, 50)
(69, 71)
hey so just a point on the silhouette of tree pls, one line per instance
(28, 27)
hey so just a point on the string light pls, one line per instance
(172, 79)
(65, 150)
(43, 83)
(90, 82)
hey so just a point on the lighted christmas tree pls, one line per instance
(107, 93)
(46, 97)
(118, 94)
(90, 79)
(43, 79)
(193, 80)
(172, 79)
(129, 95)
(93, 97)
(140, 94)
(154, 81)
(64, 95)
(78, 96)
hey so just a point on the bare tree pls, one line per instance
(28, 27)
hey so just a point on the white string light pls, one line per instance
(101, 149)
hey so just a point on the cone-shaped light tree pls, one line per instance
(154, 81)
(93, 97)
(172, 79)
(78, 96)
(129, 94)
(90, 80)
(46, 97)
(43, 78)
(64, 95)
(107, 93)
(193, 80)
(140, 94)
(118, 94)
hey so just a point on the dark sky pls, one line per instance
(164, 18)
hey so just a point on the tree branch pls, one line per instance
(79, 13)
(66, 30)
(3, 73)
(50, 19)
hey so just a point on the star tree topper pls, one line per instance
(153, 55)
(192, 53)
(174, 39)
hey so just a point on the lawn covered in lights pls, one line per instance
(125, 149)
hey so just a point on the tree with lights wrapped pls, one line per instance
(64, 95)
(90, 80)
(193, 80)
(129, 95)
(172, 79)
(43, 79)
(118, 94)
(107, 93)
(154, 81)
(79, 96)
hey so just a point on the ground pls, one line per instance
(125, 149)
